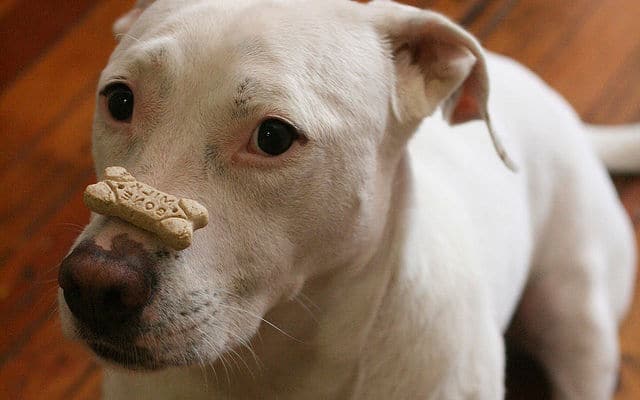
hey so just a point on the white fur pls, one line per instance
(618, 146)
(390, 252)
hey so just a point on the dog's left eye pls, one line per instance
(119, 99)
(273, 137)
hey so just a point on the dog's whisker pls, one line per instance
(255, 357)
(307, 309)
(263, 320)
(71, 227)
(215, 373)
(239, 340)
(207, 339)
(247, 345)
(124, 34)
(224, 366)
(46, 282)
(234, 360)
(49, 295)
(52, 312)
(136, 356)
(50, 269)
(230, 333)
(308, 301)
(70, 224)
(201, 365)
(251, 314)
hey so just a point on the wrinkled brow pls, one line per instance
(243, 94)
(149, 58)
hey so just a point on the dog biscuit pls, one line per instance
(171, 218)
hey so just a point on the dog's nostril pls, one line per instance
(105, 290)
(113, 300)
(125, 298)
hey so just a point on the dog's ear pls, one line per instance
(124, 23)
(437, 64)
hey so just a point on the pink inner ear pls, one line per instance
(467, 107)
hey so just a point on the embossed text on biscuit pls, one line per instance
(120, 195)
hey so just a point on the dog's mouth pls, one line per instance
(125, 355)
(125, 352)
(122, 352)
(155, 340)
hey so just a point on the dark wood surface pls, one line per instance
(51, 53)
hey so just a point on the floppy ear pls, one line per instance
(124, 23)
(438, 64)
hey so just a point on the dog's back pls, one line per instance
(565, 238)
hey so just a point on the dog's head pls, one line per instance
(287, 120)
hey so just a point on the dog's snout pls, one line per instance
(107, 289)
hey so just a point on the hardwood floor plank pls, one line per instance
(494, 13)
(89, 387)
(533, 28)
(42, 22)
(45, 176)
(619, 99)
(457, 10)
(598, 48)
(6, 6)
(45, 369)
(45, 91)
(575, 48)
(474, 11)
(29, 279)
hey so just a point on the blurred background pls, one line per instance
(51, 53)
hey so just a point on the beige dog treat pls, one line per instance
(171, 218)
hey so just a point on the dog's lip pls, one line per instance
(122, 351)
(126, 355)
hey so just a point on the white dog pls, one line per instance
(355, 249)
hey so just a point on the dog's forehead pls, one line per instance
(306, 60)
(204, 30)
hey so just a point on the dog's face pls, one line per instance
(277, 117)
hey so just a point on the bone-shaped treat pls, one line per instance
(171, 218)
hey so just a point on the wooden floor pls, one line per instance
(51, 53)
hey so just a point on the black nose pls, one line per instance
(107, 289)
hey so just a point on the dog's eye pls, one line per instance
(119, 101)
(274, 137)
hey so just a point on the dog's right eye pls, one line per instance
(119, 98)
(273, 137)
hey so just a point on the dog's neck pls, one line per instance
(320, 336)
(329, 323)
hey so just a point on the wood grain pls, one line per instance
(587, 49)
(45, 92)
(29, 27)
